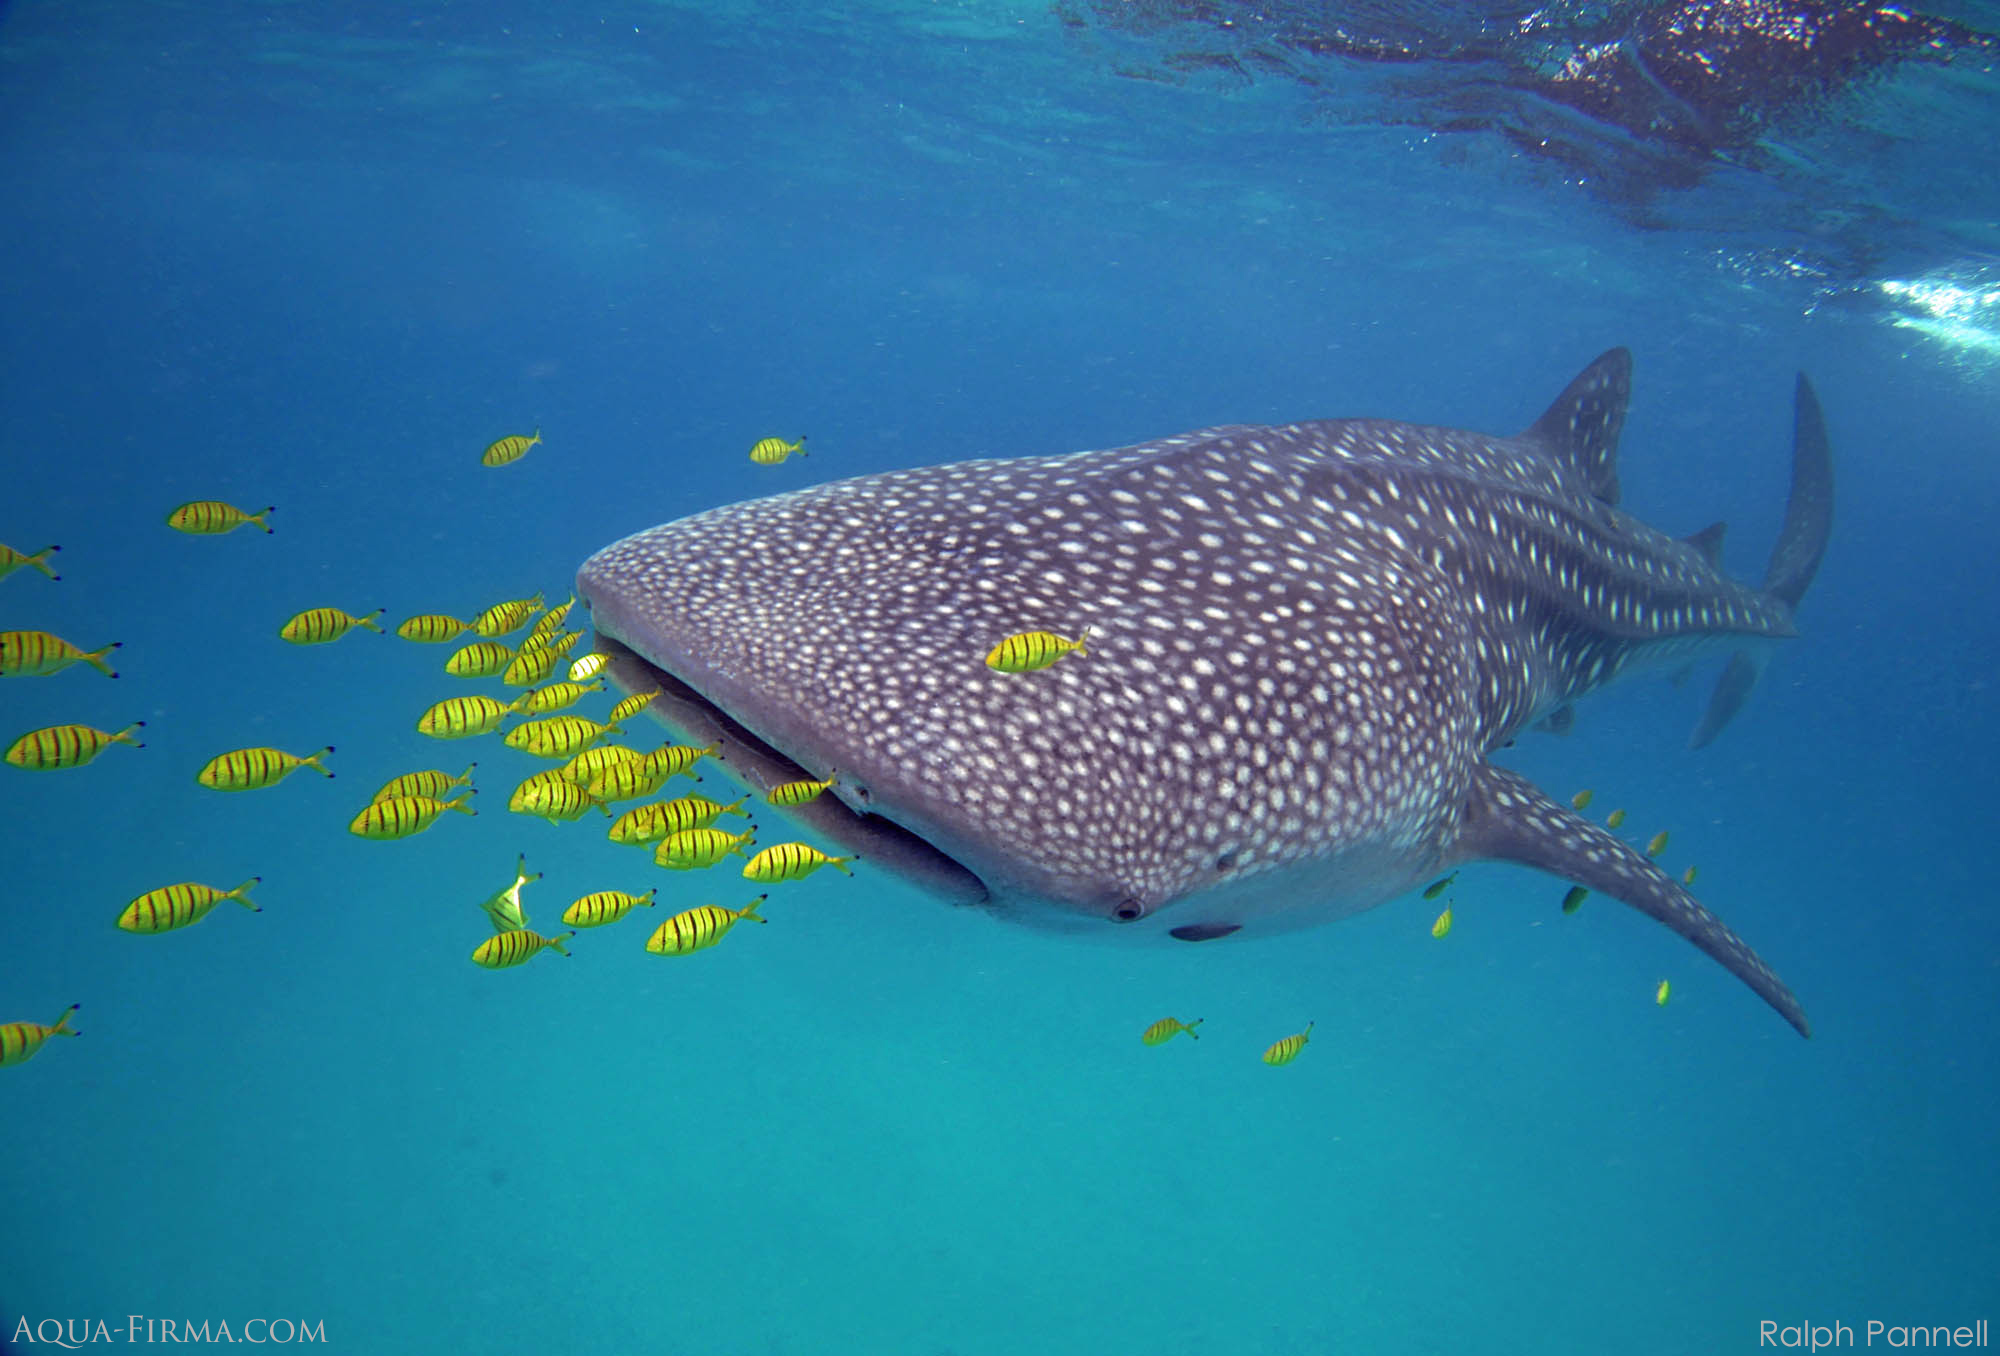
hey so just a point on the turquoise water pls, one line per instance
(272, 257)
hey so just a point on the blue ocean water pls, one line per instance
(318, 259)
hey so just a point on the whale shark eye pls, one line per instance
(1129, 911)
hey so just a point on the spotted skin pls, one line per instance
(1305, 640)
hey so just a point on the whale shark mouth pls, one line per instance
(759, 766)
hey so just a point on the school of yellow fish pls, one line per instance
(590, 772)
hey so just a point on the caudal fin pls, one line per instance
(1794, 560)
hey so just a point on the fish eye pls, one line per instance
(1128, 911)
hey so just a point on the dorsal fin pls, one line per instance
(1582, 427)
(1708, 541)
(1809, 509)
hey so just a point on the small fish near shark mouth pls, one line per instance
(1305, 641)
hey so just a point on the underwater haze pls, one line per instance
(319, 257)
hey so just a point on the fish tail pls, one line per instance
(460, 806)
(62, 1026)
(241, 894)
(841, 864)
(124, 736)
(312, 760)
(369, 620)
(750, 910)
(556, 942)
(40, 560)
(96, 659)
(1794, 560)
(1189, 1027)
(258, 518)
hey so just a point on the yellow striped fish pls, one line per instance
(697, 812)
(1615, 820)
(588, 667)
(1164, 1030)
(12, 560)
(211, 517)
(1657, 844)
(1442, 928)
(555, 800)
(557, 736)
(506, 451)
(61, 746)
(551, 621)
(323, 625)
(632, 706)
(437, 785)
(700, 927)
(670, 760)
(480, 659)
(790, 861)
(401, 816)
(606, 906)
(504, 910)
(1687, 876)
(1661, 994)
(557, 697)
(1581, 800)
(462, 717)
(773, 451)
(592, 763)
(20, 1040)
(433, 628)
(626, 780)
(692, 849)
(176, 906)
(25, 654)
(1032, 650)
(1573, 900)
(789, 794)
(513, 948)
(254, 769)
(644, 824)
(1438, 887)
(533, 663)
(1287, 1050)
(503, 618)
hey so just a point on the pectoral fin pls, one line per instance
(1509, 818)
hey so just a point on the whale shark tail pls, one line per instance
(1794, 560)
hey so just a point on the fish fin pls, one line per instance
(1809, 507)
(62, 1026)
(1559, 721)
(369, 620)
(1509, 818)
(1708, 541)
(241, 894)
(557, 942)
(1731, 691)
(1794, 560)
(1582, 427)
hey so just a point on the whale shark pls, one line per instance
(1307, 643)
